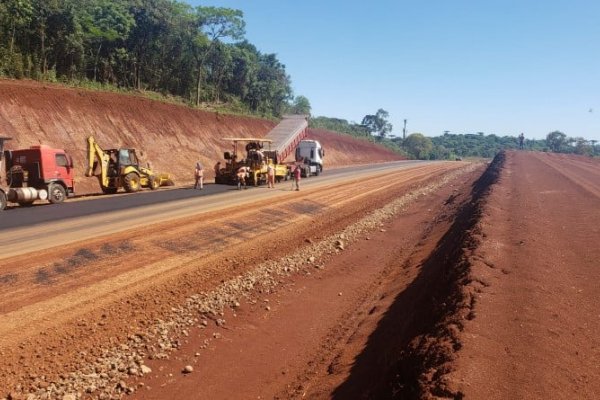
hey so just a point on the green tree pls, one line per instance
(19, 14)
(583, 147)
(556, 141)
(418, 146)
(378, 123)
(215, 24)
(301, 105)
(103, 22)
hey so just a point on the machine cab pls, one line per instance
(39, 166)
(310, 151)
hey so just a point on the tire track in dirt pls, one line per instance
(583, 176)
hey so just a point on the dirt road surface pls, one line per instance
(450, 280)
(535, 332)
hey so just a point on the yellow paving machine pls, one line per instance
(251, 153)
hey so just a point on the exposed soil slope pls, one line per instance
(172, 136)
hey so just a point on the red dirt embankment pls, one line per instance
(172, 136)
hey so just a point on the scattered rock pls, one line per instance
(188, 369)
(145, 369)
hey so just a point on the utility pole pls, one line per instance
(404, 131)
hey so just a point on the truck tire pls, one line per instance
(56, 193)
(2, 200)
(131, 182)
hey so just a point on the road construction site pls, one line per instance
(395, 282)
(378, 279)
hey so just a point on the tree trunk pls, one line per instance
(12, 38)
(198, 84)
(43, 48)
(96, 61)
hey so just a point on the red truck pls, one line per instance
(37, 173)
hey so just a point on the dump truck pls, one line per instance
(37, 173)
(120, 168)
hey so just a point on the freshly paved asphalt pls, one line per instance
(16, 217)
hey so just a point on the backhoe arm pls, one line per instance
(95, 152)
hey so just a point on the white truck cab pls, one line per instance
(310, 153)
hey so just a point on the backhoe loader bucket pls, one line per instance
(165, 180)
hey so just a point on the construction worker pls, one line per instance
(297, 175)
(521, 140)
(242, 172)
(218, 168)
(199, 175)
(270, 176)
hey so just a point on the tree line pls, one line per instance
(196, 53)
(376, 128)
(452, 146)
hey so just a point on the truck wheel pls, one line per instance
(153, 183)
(317, 172)
(56, 193)
(2, 200)
(131, 182)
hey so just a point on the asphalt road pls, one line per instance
(18, 217)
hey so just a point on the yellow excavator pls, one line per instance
(120, 168)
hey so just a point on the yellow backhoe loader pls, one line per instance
(119, 168)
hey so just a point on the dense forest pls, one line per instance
(194, 53)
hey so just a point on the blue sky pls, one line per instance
(501, 67)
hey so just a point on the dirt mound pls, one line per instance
(415, 342)
(172, 136)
